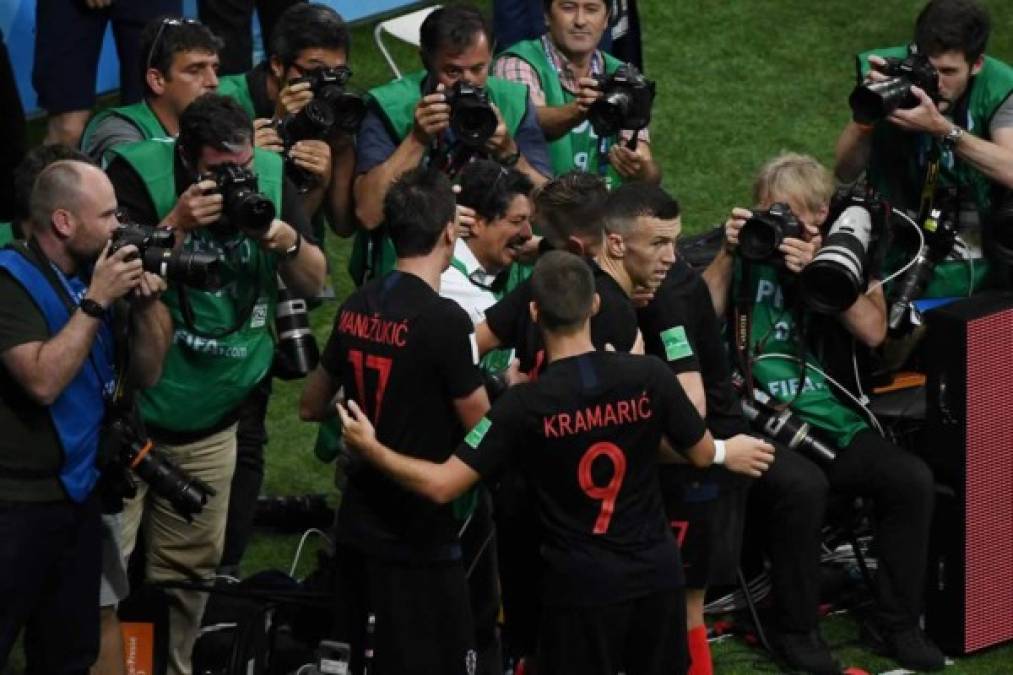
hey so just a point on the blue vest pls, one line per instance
(78, 412)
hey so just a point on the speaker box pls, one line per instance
(969, 444)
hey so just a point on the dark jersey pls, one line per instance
(403, 354)
(615, 323)
(680, 327)
(586, 436)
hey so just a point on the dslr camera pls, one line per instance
(873, 101)
(313, 123)
(838, 272)
(329, 86)
(244, 209)
(625, 102)
(155, 249)
(761, 235)
(472, 118)
(125, 446)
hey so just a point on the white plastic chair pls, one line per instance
(405, 28)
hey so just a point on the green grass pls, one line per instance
(738, 81)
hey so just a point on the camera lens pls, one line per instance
(473, 121)
(608, 113)
(349, 111)
(876, 100)
(832, 281)
(759, 239)
(251, 211)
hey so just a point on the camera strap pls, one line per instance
(742, 314)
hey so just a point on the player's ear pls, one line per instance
(614, 245)
(533, 311)
(450, 233)
(595, 305)
(575, 246)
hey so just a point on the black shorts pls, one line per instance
(706, 509)
(423, 616)
(646, 636)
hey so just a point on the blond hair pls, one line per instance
(796, 177)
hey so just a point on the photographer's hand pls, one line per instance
(799, 253)
(293, 98)
(586, 95)
(748, 455)
(733, 225)
(501, 144)
(315, 157)
(265, 136)
(196, 207)
(924, 117)
(114, 275)
(149, 288)
(432, 116)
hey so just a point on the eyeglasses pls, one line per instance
(168, 21)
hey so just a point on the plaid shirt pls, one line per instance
(516, 69)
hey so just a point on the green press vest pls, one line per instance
(899, 158)
(138, 114)
(773, 329)
(577, 149)
(237, 88)
(6, 234)
(206, 378)
(372, 252)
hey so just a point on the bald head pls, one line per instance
(64, 185)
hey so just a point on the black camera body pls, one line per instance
(472, 118)
(832, 281)
(313, 123)
(939, 231)
(761, 236)
(873, 101)
(625, 103)
(155, 249)
(785, 427)
(244, 208)
(329, 86)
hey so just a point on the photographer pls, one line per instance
(613, 589)
(181, 63)
(58, 356)
(563, 71)
(956, 123)
(776, 359)
(408, 355)
(440, 117)
(200, 187)
(309, 38)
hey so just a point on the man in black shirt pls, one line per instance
(704, 506)
(569, 212)
(409, 356)
(587, 434)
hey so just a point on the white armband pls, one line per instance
(719, 452)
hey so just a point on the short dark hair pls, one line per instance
(452, 28)
(947, 25)
(58, 186)
(416, 209)
(174, 35)
(547, 5)
(308, 25)
(216, 121)
(489, 188)
(562, 286)
(635, 199)
(571, 204)
(28, 170)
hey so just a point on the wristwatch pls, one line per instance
(92, 308)
(952, 136)
(293, 250)
(510, 161)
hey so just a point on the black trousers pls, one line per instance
(422, 615)
(793, 496)
(50, 561)
(251, 437)
(645, 636)
(230, 20)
